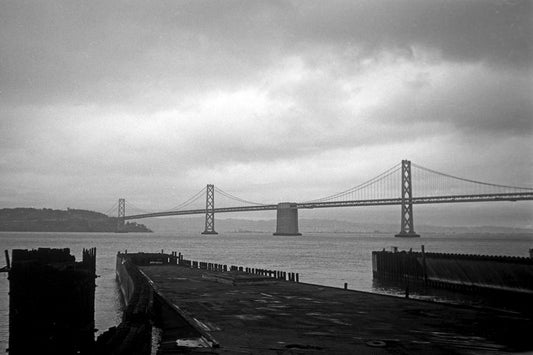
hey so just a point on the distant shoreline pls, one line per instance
(57, 221)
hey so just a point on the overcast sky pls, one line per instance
(269, 100)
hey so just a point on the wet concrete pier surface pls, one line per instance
(240, 313)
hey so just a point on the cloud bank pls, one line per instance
(270, 100)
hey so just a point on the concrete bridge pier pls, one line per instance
(287, 219)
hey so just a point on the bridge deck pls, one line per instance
(280, 317)
(499, 197)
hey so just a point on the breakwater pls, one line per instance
(201, 306)
(475, 274)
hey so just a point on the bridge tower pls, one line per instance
(287, 219)
(121, 215)
(407, 228)
(210, 210)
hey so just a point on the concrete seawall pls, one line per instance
(134, 334)
(148, 319)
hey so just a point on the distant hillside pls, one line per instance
(71, 220)
(196, 224)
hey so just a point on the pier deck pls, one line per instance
(247, 314)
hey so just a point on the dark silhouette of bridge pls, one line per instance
(392, 187)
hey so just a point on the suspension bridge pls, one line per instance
(404, 184)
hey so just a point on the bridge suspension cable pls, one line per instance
(189, 201)
(386, 185)
(109, 211)
(131, 206)
(471, 181)
(235, 198)
(429, 182)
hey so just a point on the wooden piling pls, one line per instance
(424, 266)
(8, 264)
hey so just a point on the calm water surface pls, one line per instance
(326, 259)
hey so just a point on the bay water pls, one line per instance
(330, 259)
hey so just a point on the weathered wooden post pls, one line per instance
(424, 267)
(8, 264)
(406, 262)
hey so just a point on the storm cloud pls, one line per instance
(272, 99)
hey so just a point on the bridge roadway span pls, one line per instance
(353, 203)
(236, 312)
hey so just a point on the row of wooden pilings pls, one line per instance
(176, 258)
(276, 274)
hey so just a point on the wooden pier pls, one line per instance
(209, 308)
